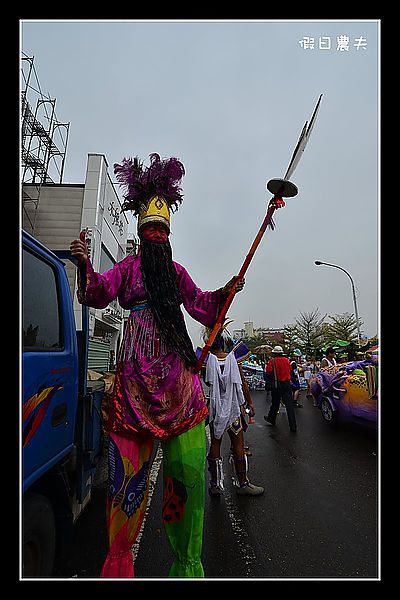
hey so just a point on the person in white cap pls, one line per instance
(279, 369)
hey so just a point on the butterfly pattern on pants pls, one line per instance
(126, 489)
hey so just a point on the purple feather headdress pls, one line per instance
(160, 178)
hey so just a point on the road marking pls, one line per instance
(238, 526)
(241, 535)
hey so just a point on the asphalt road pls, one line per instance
(318, 517)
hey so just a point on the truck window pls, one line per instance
(40, 306)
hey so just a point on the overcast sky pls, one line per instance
(230, 98)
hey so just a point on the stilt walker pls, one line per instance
(157, 393)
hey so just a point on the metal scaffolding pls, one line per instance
(44, 140)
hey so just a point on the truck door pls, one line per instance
(49, 362)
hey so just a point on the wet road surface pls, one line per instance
(317, 519)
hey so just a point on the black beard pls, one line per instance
(160, 283)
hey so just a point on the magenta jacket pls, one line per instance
(155, 393)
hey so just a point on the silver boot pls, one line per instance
(216, 486)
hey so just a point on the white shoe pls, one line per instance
(248, 489)
(214, 490)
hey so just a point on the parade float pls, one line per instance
(348, 391)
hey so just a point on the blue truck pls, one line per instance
(61, 430)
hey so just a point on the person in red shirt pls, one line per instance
(279, 369)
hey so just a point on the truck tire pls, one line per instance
(39, 536)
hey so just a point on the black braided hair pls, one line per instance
(160, 282)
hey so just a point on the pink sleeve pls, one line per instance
(202, 306)
(99, 289)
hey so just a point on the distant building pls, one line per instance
(249, 329)
(238, 334)
(266, 334)
(269, 334)
(57, 215)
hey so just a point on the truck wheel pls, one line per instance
(39, 536)
(328, 414)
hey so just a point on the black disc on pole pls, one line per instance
(282, 187)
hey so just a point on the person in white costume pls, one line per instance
(226, 393)
(229, 394)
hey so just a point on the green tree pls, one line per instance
(311, 330)
(343, 327)
(252, 343)
(291, 338)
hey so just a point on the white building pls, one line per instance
(249, 329)
(238, 334)
(58, 215)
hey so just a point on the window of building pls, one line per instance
(40, 305)
(106, 260)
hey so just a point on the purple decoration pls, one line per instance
(161, 178)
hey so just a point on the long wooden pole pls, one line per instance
(273, 205)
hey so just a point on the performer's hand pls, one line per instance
(250, 408)
(238, 287)
(78, 248)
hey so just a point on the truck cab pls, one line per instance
(61, 433)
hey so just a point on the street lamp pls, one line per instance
(319, 262)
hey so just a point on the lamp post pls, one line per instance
(319, 262)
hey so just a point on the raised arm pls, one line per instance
(202, 306)
(95, 289)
